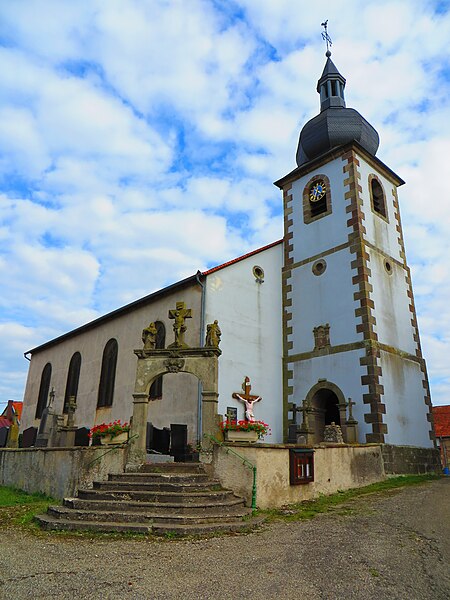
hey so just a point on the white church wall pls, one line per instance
(344, 370)
(406, 411)
(327, 298)
(379, 232)
(391, 304)
(328, 232)
(126, 328)
(249, 315)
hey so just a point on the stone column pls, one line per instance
(351, 425)
(138, 434)
(342, 406)
(210, 426)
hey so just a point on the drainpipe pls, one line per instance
(202, 337)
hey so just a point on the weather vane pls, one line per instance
(326, 37)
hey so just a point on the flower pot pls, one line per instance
(109, 440)
(240, 436)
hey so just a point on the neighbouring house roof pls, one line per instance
(145, 300)
(4, 422)
(11, 408)
(441, 416)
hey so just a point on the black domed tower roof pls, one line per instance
(336, 124)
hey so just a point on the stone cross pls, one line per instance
(72, 406)
(179, 314)
(247, 398)
(51, 398)
(350, 409)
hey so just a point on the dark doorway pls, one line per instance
(326, 411)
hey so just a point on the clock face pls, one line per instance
(317, 192)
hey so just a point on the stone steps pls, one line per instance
(159, 478)
(181, 497)
(166, 498)
(157, 486)
(230, 504)
(149, 517)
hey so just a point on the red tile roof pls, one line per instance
(4, 422)
(236, 260)
(441, 416)
(16, 406)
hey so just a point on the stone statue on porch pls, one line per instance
(248, 399)
(213, 334)
(149, 337)
(179, 314)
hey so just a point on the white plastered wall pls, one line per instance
(327, 298)
(327, 232)
(406, 411)
(249, 315)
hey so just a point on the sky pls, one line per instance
(139, 142)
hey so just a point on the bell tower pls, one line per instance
(349, 321)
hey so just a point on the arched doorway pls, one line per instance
(327, 405)
(200, 362)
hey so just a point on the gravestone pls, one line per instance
(43, 434)
(29, 437)
(292, 434)
(178, 442)
(158, 440)
(82, 437)
(3, 436)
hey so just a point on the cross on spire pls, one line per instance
(326, 38)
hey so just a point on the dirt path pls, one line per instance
(389, 547)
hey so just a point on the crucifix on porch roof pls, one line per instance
(179, 314)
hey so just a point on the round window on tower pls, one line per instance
(388, 267)
(319, 267)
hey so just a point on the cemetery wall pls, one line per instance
(58, 472)
(335, 468)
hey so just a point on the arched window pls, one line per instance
(44, 389)
(156, 387)
(377, 196)
(316, 198)
(108, 374)
(73, 377)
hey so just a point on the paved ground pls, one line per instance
(389, 547)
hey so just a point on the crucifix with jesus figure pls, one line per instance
(248, 399)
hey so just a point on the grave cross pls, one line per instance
(179, 314)
(247, 398)
(350, 409)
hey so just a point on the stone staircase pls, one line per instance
(163, 499)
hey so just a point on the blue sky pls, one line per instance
(143, 137)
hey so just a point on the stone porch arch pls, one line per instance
(314, 392)
(203, 363)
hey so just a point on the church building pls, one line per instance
(322, 322)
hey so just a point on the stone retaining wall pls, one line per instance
(58, 472)
(335, 468)
(409, 460)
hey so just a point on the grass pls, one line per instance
(337, 502)
(18, 508)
